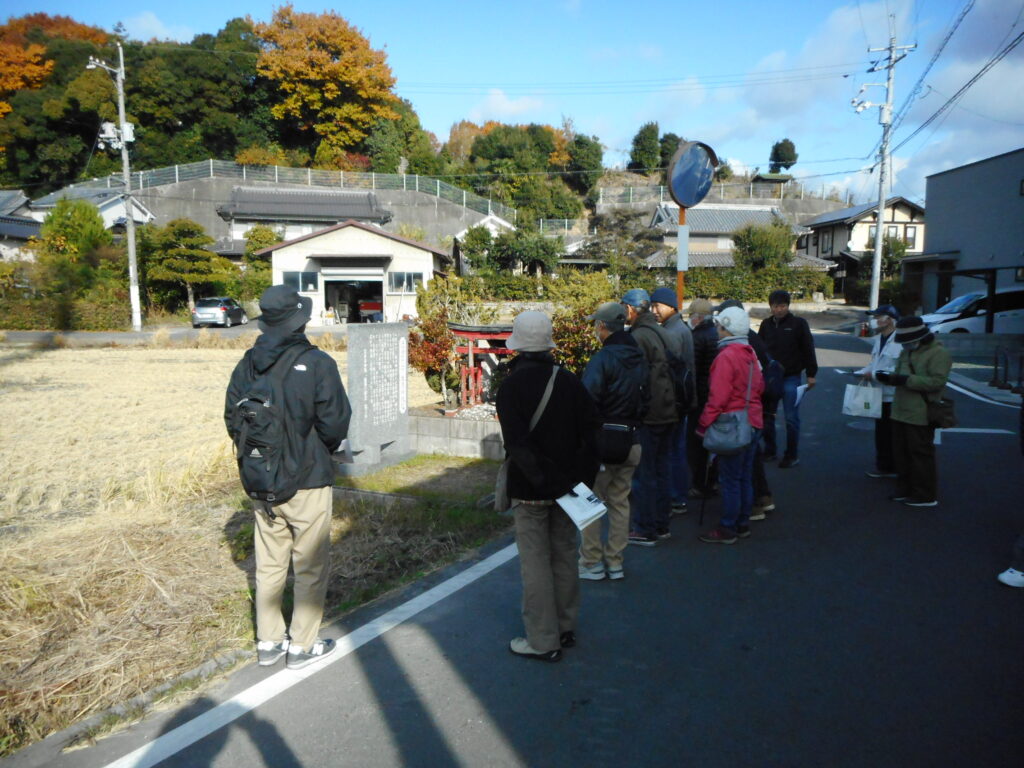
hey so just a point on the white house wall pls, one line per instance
(356, 243)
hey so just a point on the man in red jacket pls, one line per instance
(736, 384)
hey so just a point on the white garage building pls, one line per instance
(359, 270)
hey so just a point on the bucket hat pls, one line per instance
(282, 310)
(910, 329)
(531, 332)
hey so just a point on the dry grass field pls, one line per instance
(123, 531)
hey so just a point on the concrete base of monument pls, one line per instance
(386, 459)
(377, 498)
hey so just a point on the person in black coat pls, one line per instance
(789, 341)
(616, 377)
(296, 531)
(547, 460)
(705, 348)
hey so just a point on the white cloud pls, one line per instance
(498, 106)
(147, 26)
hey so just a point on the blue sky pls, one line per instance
(737, 75)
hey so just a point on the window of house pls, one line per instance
(911, 238)
(892, 232)
(814, 239)
(826, 241)
(801, 243)
(303, 282)
(871, 233)
(404, 282)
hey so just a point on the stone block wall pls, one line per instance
(456, 437)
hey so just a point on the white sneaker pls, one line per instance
(593, 572)
(1012, 577)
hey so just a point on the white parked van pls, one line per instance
(966, 314)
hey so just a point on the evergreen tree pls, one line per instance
(181, 257)
(783, 156)
(646, 153)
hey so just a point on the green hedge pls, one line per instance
(99, 310)
(574, 288)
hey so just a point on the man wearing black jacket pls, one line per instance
(298, 530)
(705, 347)
(616, 377)
(789, 341)
(547, 462)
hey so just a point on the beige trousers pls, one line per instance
(546, 538)
(612, 487)
(299, 533)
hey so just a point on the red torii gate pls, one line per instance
(471, 374)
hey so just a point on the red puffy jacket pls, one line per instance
(728, 385)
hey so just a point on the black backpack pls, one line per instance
(262, 433)
(683, 382)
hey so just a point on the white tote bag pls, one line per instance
(863, 400)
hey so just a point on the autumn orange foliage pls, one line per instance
(21, 63)
(330, 80)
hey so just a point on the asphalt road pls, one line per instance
(847, 631)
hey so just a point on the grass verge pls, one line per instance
(104, 608)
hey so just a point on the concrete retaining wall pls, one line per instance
(456, 437)
(981, 344)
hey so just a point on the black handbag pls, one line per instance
(940, 413)
(614, 442)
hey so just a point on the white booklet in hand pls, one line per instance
(582, 505)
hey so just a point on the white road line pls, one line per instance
(983, 399)
(978, 431)
(189, 733)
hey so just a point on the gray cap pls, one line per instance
(609, 312)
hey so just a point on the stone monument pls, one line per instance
(378, 384)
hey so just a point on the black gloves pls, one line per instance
(896, 379)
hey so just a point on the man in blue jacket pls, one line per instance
(297, 531)
(616, 378)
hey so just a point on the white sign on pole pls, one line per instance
(683, 249)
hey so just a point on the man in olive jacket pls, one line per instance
(921, 374)
(651, 505)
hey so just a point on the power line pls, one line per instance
(905, 107)
(963, 89)
(863, 28)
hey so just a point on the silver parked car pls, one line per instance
(219, 310)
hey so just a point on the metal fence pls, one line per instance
(564, 227)
(225, 169)
(791, 190)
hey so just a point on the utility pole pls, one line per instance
(885, 118)
(122, 135)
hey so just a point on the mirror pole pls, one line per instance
(682, 257)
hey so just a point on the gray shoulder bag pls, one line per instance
(502, 501)
(731, 432)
